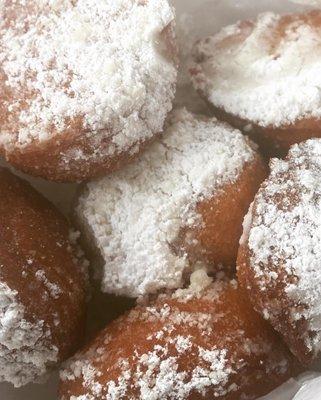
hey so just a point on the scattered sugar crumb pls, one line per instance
(53, 289)
(79, 255)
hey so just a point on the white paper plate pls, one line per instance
(196, 18)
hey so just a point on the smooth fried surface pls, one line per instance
(216, 242)
(186, 346)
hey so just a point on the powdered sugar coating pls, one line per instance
(266, 72)
(93, 66)
(134, 216)
(285, 239)
(182, 353)
(26, 347)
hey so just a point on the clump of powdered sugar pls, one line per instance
(199, 281)
(53, 289)
(134, 216)
(100, 61)
(286, 233)
(251, 72)
(25, 347)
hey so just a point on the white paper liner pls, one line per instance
(313, 3)
(311, 390)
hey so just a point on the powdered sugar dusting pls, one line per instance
(25, 347)
(180, 354)
(135, 215)
(252, 72)
(157, 374)
(97, 62)
(169, 381)
(285, 236)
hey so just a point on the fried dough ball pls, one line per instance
(280, 252)
(179, 207)
(263, 77)
(199, 343)
(42, 284)
(85, 85)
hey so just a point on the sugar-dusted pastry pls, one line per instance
(179, 207)
(204, 342)
(85, 84)
(279, 257)
(264, 76)
(42, 284)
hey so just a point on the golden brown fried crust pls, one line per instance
(34, 237)
(234, 321)
(217, 240)
(292, 333)
(46, 159)
(273, 142)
